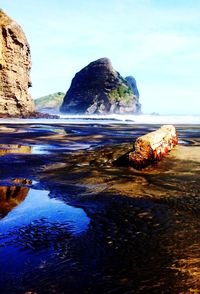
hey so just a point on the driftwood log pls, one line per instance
(150, 147)
(153, 146)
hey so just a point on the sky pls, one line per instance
(156, 41)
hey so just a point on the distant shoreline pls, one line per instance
(109, 119)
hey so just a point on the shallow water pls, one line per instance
(72, 222)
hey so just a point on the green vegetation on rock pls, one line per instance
(52, 101)
(121, 93)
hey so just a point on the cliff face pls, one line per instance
(15, 65)
(99, 88)
(133, 85)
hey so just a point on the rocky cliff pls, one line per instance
(133, 85)
(15, 65)
(98, 88)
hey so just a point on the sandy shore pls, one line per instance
(151, 214)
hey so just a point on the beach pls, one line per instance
(73, 222)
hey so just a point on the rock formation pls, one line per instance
(132, 84)
(15, 65)
(98, 88)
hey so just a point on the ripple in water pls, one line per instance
(34, 229)
(39, 206)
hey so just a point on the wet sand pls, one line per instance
(143, 231)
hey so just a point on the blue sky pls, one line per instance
(156, 41)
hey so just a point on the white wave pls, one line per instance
(136, 119)
(110, 119)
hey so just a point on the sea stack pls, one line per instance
(133, 85)
(15, 65)
(99, 89)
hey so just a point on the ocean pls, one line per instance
(113, 119)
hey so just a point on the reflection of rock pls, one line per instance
(15, 64)
(11, 196)
(14, 193)
(14, 148)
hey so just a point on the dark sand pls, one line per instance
(143, 233)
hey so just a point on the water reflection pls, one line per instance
(34, 234)
(15, 190)
(14, 148)
(12, 194)
(38, 207)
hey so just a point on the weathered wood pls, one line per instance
(153, 146)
